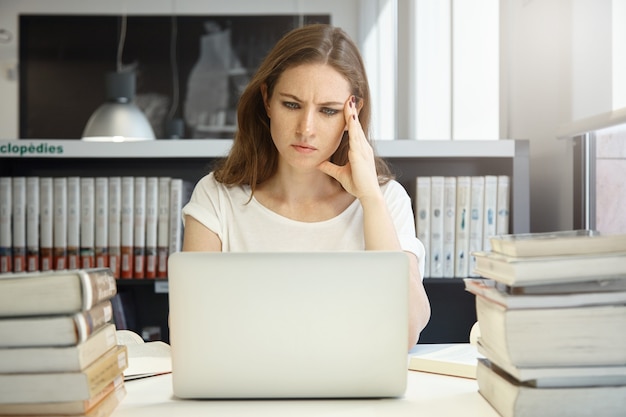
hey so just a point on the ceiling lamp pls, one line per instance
(118, 119)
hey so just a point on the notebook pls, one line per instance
(288, 324)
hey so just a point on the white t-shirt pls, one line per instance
(248, 226)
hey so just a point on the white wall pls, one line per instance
(558, 56)
(538, 89)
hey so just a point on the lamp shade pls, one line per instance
(118, 119)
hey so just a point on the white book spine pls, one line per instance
(6, 241)
(73, 222)
(502, 219)
(127, 227)
(163, 227)
(101, 213)
(422, 217)
(152, 214)
(19, 224)
(87, 222)
(32, 224)
(449, 226)
(436, 226)
(477, 207)
(176, 227)
(139, 223)
(489, 213)
(46, 223)
(461, 261)
(115, 225)
(60, 223)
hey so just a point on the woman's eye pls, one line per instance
(329, 112)
(291, 105)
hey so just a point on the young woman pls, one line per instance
(302, 174)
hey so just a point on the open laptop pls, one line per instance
(288, 324)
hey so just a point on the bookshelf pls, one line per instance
(189, 159)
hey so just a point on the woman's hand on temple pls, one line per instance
(358, 176)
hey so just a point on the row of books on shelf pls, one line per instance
(551, 308)
(59, 352)
(455, 216)
(129, 224)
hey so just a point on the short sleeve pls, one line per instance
(401, 210)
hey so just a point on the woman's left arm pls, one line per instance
(360, 179)
(380, 234)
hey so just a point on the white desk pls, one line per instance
(426, 395)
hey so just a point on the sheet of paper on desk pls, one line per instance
(144, 359)
(459, 359)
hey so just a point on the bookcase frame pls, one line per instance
(453, 311)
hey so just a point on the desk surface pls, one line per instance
(427, 394)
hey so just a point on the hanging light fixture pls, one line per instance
(118, 119)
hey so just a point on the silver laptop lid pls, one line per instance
(288, 325)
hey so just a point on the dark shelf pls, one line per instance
(453, 311)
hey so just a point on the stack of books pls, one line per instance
(58, 346)
(552, 315)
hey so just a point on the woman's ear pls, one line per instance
(359, 105)
(265, 99)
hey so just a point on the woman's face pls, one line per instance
(306, 114)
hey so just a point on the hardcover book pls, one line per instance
(54, 292)
(73, 358)
(82, 385)
(567, 242)
(511, 398)
(539, 270)
(55, 330)
(554, 336)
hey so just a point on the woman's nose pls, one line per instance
(306, 124)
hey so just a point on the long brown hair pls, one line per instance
(253, 157)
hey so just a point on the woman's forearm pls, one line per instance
(380, 234)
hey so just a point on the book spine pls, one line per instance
(19, 224)
(89, 321)
(115, 224)
(46, 223)
(502, 219)
(127, 227)
(461, 261)
(103, 371)
(60, 224)
(97, 285)
(422, 217)
(73, 222)
(139, 233)
(152, 211)
(6, 240)
(449, 226)
(176, 204)
(32, 224)
(101, 236)
(163, 227)
(477, 206)
(436, 226)
(87, 222)
(489, 214)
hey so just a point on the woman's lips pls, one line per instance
(304, 148)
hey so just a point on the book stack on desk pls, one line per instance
(552, 312)
(58, 346)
